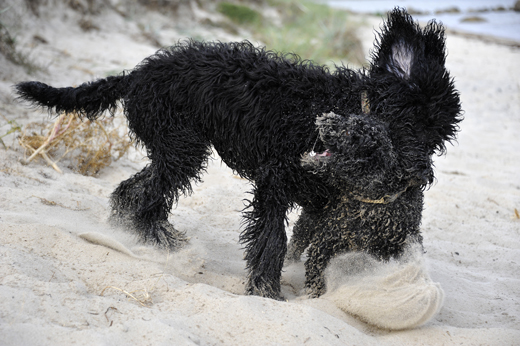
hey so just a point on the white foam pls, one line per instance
(392, 295)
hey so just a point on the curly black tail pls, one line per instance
(89, 99)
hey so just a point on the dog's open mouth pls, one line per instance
(319, 156)
(313, 158)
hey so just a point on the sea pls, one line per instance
(483, 17)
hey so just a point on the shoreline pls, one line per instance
(484, 38)
(481, 19)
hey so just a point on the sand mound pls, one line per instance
(394, 295)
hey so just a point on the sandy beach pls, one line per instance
(67, 277)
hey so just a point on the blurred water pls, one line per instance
(503, 24)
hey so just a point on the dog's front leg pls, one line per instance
(303, 232)
(320, 251)
(264, 235)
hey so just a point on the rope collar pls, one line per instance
(386, 199)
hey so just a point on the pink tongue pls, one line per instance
(325, 153)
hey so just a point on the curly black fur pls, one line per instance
(262, 112)
(381, 161)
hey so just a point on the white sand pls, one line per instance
(59, 286)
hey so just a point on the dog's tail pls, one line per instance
(89, 99)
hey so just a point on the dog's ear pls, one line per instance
(412, 83)
(398, 46)
(402, 48)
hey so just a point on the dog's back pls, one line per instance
(252, 105)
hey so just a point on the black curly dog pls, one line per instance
(353, 149)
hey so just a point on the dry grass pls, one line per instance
(141, 296)
(89, 146)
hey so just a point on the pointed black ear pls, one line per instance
(402, 47)
(410, 80)
(399, 45)
(434, 42)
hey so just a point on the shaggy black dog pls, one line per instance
(375, 132)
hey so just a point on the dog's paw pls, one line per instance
(314, 289)
(262, 288)
(164, 235)
(159, 233)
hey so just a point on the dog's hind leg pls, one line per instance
(136, 206)
(264, 234)
(143, 202)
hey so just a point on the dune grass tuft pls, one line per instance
(90, 146)
(311, 30)
(240, 14)
(315, 32)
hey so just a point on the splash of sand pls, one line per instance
(394, 295)
(109, 242)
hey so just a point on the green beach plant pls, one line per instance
(314, 31)
(240, 14)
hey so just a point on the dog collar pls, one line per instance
(383, 200)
